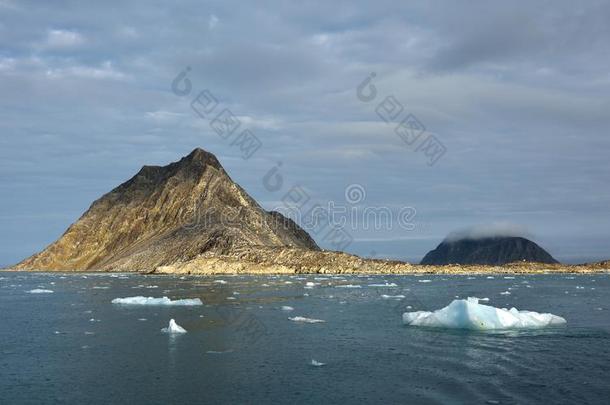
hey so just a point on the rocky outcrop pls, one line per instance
(487, 251)
(164, 215)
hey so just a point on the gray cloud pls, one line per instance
(516, 91)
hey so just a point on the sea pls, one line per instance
(296, 339)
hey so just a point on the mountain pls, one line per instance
(167, 215)
(487, 251)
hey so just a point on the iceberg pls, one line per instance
(348, 286)
(173, 328)
(305, 320)
(139, 300)
(40, 291)
(287, 308)
(383, 285)
(388, 297)
(317, 363)
(469, 314)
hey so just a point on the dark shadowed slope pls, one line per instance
(490, 251)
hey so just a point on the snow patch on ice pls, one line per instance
(305, 320)
(139, 300)
(469, 314)
(40, 291)
(173, 328)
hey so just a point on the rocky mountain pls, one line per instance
(487, 251)
(167, 215)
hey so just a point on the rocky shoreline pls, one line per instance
(267, 260)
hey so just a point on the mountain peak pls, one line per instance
(167, 214)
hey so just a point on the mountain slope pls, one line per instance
(490, 251)
(165, 215)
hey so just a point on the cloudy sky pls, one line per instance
(517, 94)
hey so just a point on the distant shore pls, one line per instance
(302, 261)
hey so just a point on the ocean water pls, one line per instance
(74, 346)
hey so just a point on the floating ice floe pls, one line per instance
(173, 328)
(305, 320)
(505, 293)
(388, 297)
(383, 285)
(317, 363)
(469, 314)
(220, 281)
(100, 287)
(348, 286)
(287, 308)
(424, 281)
(40, 291)
(139, 300)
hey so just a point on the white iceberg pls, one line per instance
(469, 314)
(220, 281)
(348, 286)
(317, 363)
(173, 328)
(287, 308)
(389, 297)
(40, 291)
(139, 300)
(383, 285)
(305, 320)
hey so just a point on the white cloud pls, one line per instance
(212, 22)
(63, 39)
(496, 229)
(105, 71)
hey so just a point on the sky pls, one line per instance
(514, 98)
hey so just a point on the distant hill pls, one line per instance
(487, 251)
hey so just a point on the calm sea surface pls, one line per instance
(75, 346)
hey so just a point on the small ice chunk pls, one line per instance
(231, 298)
(100, 287)
(505, 293)
(220, 281)
(469, 314)
(173, 328)
(387, 297)
(287, 308)
(139, 300)
(310, 284)
(305, 320)
(425, 281)
(383, 285)
(348, 286)
(40, 291)
(317, 363)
